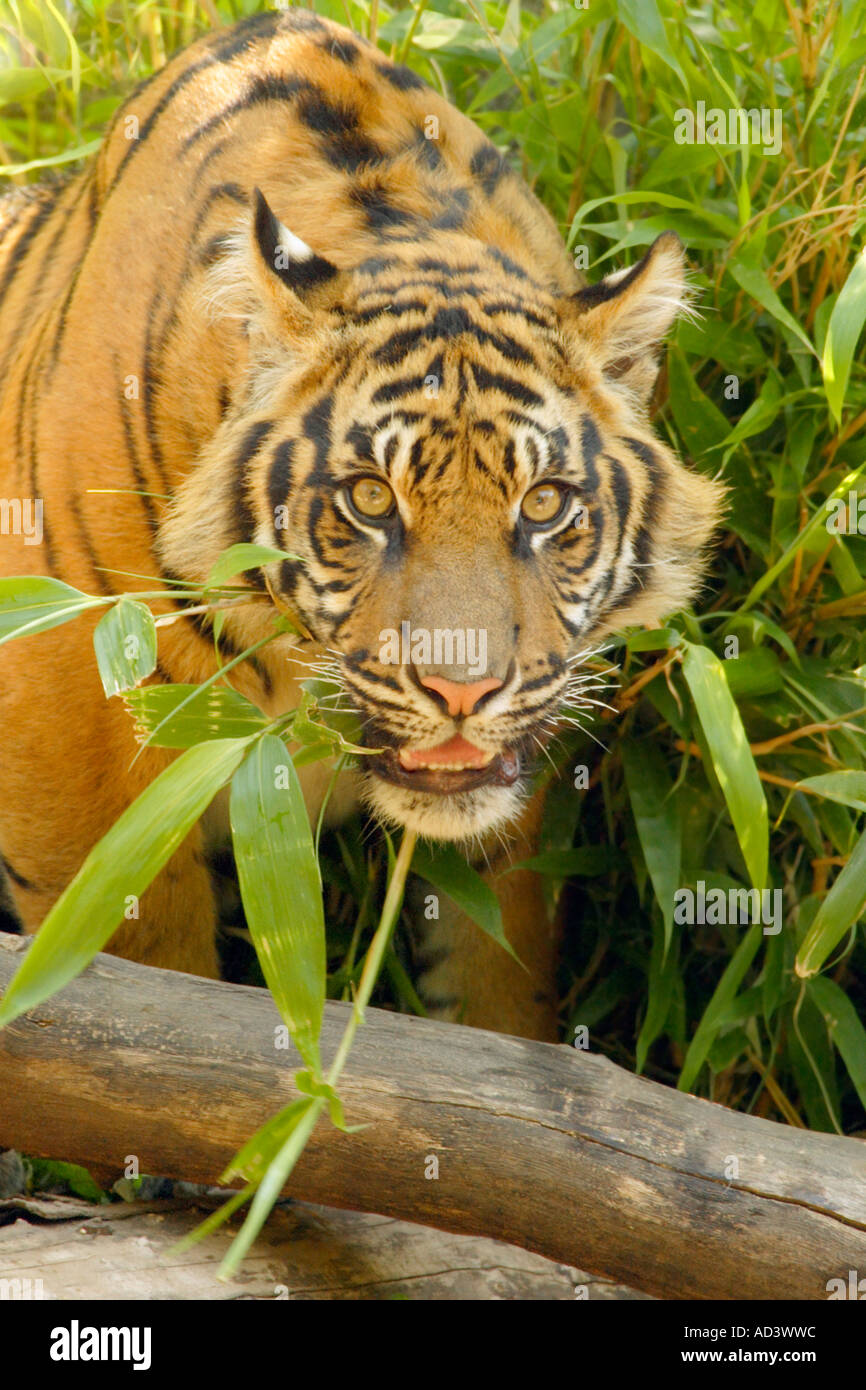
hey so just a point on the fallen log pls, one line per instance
(553, 1149)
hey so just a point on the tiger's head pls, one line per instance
(461, 460)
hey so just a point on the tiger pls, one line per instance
(298, 299)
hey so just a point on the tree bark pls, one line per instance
(550, 1148)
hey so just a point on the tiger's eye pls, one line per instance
(543, 503)
(372, 498)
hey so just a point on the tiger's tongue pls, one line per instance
(456, 752)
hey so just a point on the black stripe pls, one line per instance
(393, 390)
(224, 48)
(215, 194)
(244, 522)
(214, 248)
(388, 308)
(409, 417)
(427, 151)
(649, 518)
(488, 166)
(446, 268)
(134, 460)
(267, 87)
(213, 153)
(376, 265)
(224, 51)
(495, 381)
(508, 264)
(449, 288)
(90, 185)
(316, 426)
(590, 443)
(378, 210)
(342, 49)
(514, 306)
(454, 211)
(33, 373)
(150, 382)
(401, 77)
(484, 468)
(621, 491)
(13, 264)
(49, 258)
(280, 481)
(18, 879)
(104, 583)
(360, 440)
(290, 573)
(449, 323)
(593, 295)
(549, 677)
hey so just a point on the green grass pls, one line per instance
(721, 715)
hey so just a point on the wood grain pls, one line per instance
(558, 1151)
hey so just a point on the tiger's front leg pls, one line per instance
(60, 795)
(463, 975)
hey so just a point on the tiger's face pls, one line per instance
(461, 463)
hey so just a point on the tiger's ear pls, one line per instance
(619, 323)
(291, 279)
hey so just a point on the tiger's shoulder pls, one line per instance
(360, 145)
(311, 112)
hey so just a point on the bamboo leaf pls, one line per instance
(699, 420)
(664, 964)
(715, 1014)
(848, 788)
(35, 603)
(214, 712)
(240, 558)
(125, 644)
(300, 1127)
(447, 870)
(843, 331)
(117, 871)
(281, 888)
(657, 816)
(753, 279)
(732, 757)
(50, 161)
(841, 908)
(585, 861)
(845, 1028)
(250, 1162)
(643, 19)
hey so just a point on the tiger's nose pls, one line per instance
(460, 697)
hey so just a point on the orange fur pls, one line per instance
(149, 345)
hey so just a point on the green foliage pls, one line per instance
(281, 888)
(734, 728)
(53, 1175)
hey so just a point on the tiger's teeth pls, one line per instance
(451, 767)
(413, 760)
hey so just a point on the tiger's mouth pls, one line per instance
(453, 766)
